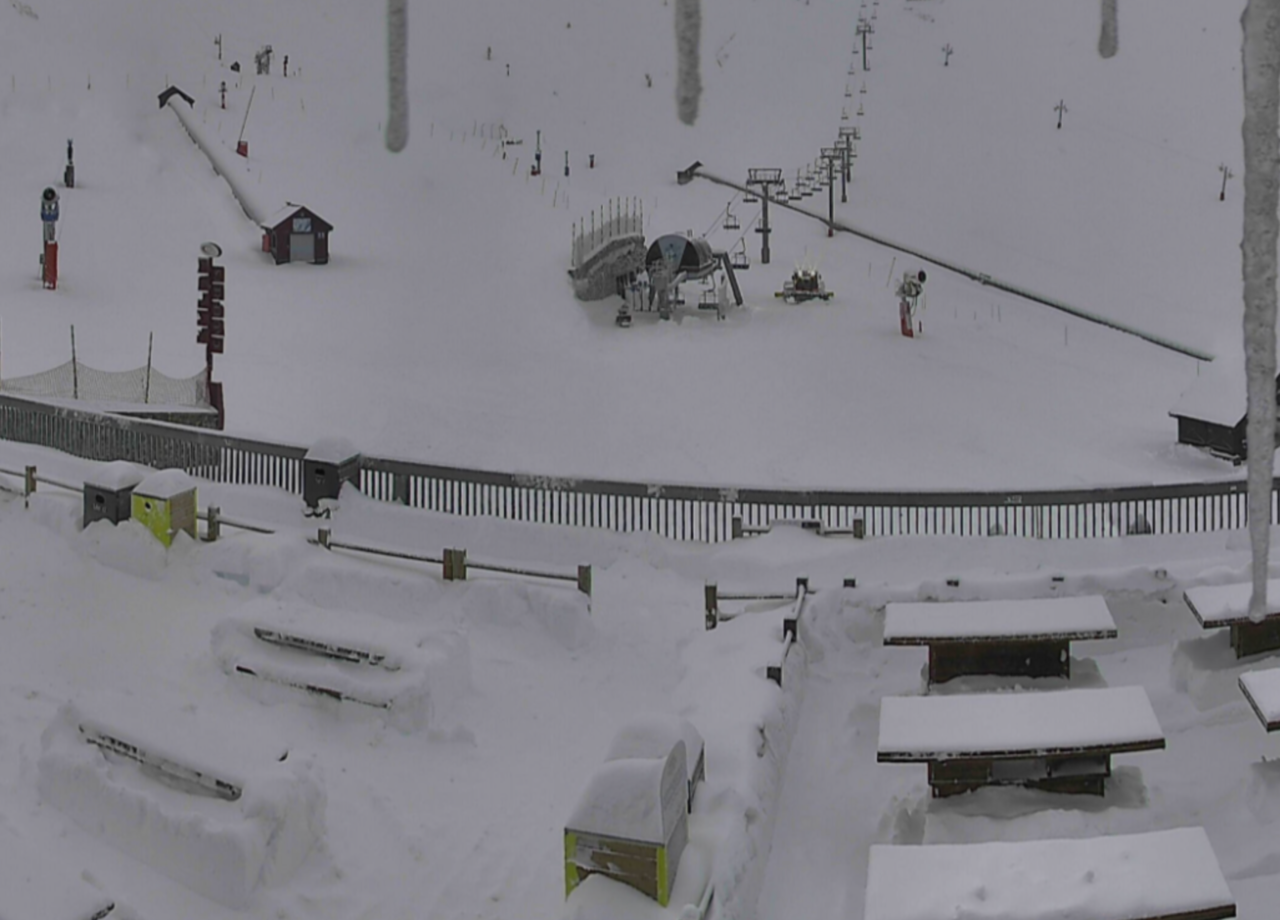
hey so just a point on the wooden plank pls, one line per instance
(949, 660)
(1126, 747)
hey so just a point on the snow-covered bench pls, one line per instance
(1162, 875)
(1216, 606)
(36, 886)
(1262, 690)
(1016, 637)
(1059, 741)
(273, 649)
(218, 807)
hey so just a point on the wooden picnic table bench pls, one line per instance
(1216, 606)
(1262, 690)
(1161, 875)
(1028, 638)
(1058, 741)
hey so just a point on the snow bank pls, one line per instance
(218, 808)
(749, 724)
(1161, 874)
(276, 650)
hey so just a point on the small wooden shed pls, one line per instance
(631, 824)
(165, 503)
(296, 234)
(108, 491)
(1211, 413)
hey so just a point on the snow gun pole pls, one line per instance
(253, 90)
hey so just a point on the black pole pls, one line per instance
(844, 174)
(831, 197)
(764, 225)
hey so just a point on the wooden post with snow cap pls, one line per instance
(710, 601)
(455, 565)
(28, 484)
(584, 579)
(213, 525)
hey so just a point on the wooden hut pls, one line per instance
(1211, 413)
(296, 234)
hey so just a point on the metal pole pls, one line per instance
(844, 174)
(831, 197)
(764, 225)
(146, 392)
(75, 376)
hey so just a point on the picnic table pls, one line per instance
(1058, 741)
(1161, 875)
(1216, 606)
(1262, 690)
(1028, 638)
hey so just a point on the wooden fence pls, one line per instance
(679, 512)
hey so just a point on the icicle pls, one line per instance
(1109, 38)
(397, 75)
(1261, 59)
(688, 79)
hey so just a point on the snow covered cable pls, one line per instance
(688, 80)
(397, 75)
(1108, 40)
(1261, 58)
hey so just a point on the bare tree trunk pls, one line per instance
(1261, 59)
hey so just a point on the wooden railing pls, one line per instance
(680, 512)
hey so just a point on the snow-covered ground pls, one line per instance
(444, 329)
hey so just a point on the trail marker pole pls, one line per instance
(947, 51)
(1226, 174)
(1061, 109)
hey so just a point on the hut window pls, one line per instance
(302, 225)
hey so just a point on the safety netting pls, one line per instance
(143, 385)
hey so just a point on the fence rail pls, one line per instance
(680, 512)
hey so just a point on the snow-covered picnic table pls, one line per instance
(1216, 606)
(1012, 637)
(1061, 740)
(1262, 690)
(1162, 875)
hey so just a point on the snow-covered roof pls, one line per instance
(1162, 874)
(639, 798)
(1262, 690)
(1222, 605)
(1042, 618)
(1216, 395)
(654, 736)
(280, 215)
(117, 475)
(165, 484)
(332, 450)
(915, 728)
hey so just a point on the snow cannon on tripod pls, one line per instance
(910, 299)
(49, 219)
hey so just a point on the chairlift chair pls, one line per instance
(848, 93)
(750, 197)
(708, 300)
(731, 221)
(739, 258)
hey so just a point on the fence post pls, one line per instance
(712, 606)
(400, 488)
(802, 585)
(859, 528)
(322, 537)
(736, 525)
(213, 529)
(28, 485)
(774, 673)
(851, 582)
(584, 579)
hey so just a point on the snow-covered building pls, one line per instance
(296, 234)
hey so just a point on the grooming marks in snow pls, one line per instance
(214, 806)
(275, 650)
(1087, 617)
(1165, 874)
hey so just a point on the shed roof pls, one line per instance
(1217, 395)
(287, 213)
